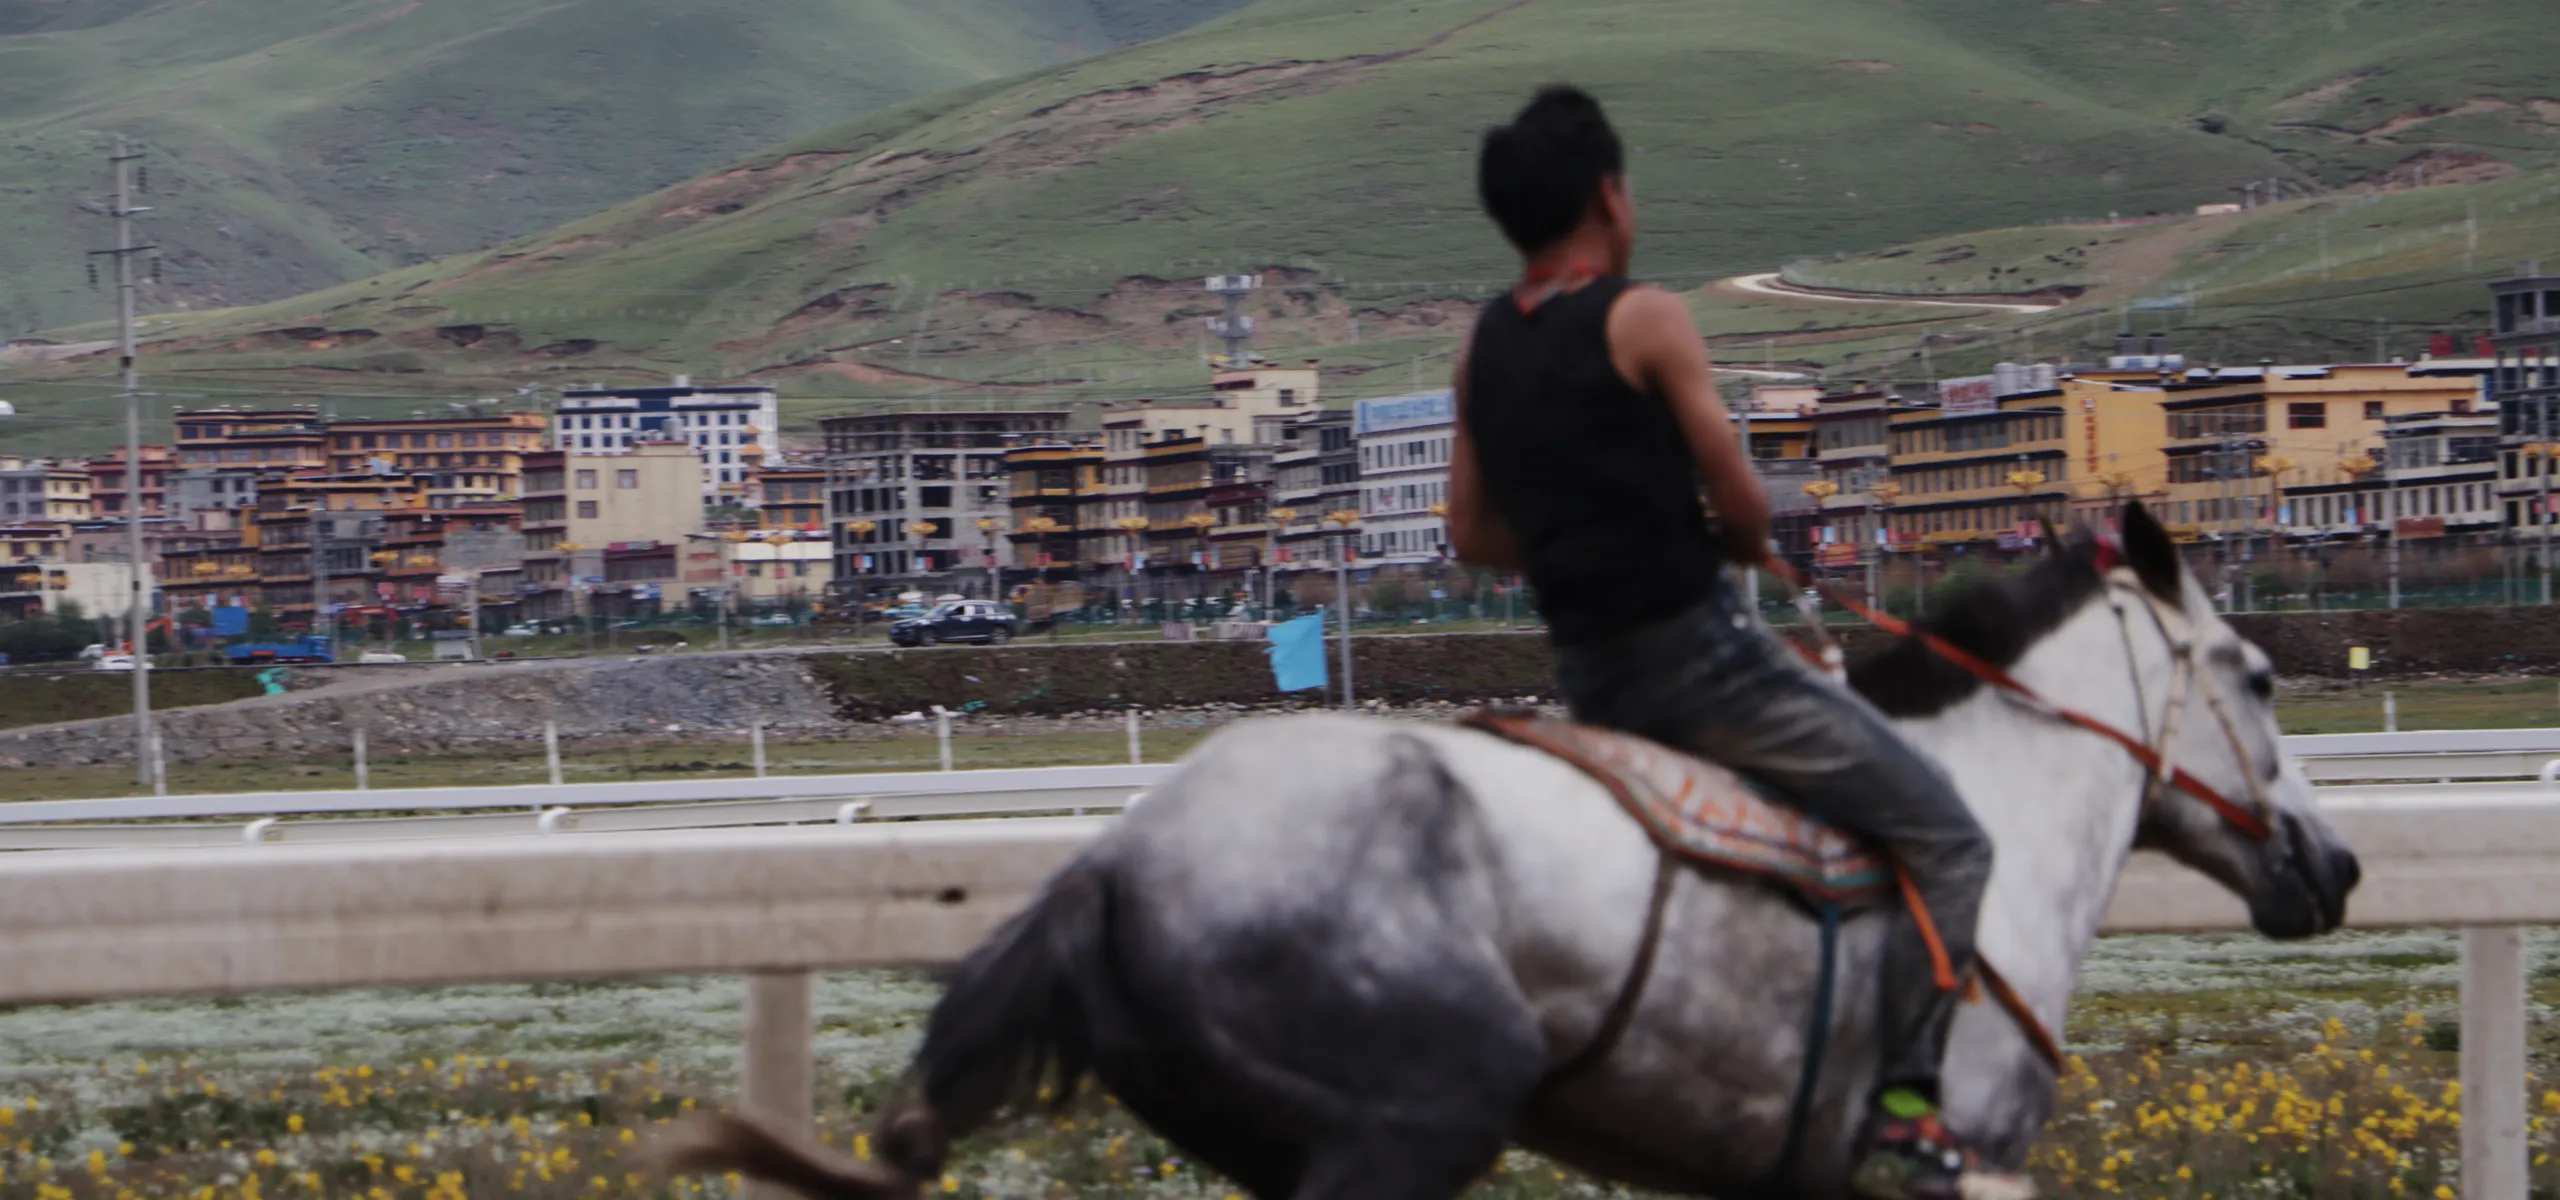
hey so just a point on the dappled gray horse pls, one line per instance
(1343, 957)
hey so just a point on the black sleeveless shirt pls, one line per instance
(1593, 477)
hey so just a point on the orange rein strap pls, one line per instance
(2240, 817)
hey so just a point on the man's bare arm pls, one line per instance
(1476, 529)
(1656, 345)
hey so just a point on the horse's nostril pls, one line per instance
(2344, 868)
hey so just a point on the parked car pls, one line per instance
(905, 612)
(519, 629)
(773, 621)
(115, 662)
(957, 621)
(382, 656)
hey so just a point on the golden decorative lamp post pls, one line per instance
(1343, 519)
(987, 527)
(1133, 528)
(1821, 489)
(1279, 518)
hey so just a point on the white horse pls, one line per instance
(1338, 957)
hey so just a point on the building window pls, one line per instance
(2373, 410)
(626, 479)
(586, 510)
(586, 479)
(2312, 415)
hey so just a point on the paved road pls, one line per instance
(1768, 284)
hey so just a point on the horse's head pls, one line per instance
(2275, 850)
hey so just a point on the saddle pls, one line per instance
(1706, 814)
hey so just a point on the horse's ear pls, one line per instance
(2151, 553)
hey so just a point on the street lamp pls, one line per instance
(987, 527)
(1881, 494)
(569, 559)
(1279, 517)
(858, 529)
(1134, 528)
(2275, 465)
(1200, 523)
(1343, 519)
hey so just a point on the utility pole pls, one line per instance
(138, 610)
(2542, 504)
(2470, 230)
(321, 626)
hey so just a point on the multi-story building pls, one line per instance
(2524, 382)
(107, 482)
(580, 510)
(731, 429)
(1062, 511)
(1316, 471)
(2435, 475)
(471, 459)
(910, 487)
(1404, 447)
(792, 496)
(39, 490)
(1852, 455)
(274, 440)
(316, 537)
(1976, 466)
(2235, 437)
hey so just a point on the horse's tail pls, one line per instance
(1020, 1016)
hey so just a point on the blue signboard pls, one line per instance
(1404, 412)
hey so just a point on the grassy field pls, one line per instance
(1163, 738)
(37, 699)
(1034, 239)
(2529, 703)
(2200, 1066)
(301, 143)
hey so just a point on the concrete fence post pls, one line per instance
(364, 778)
(2493, 1063)
(1135, 758)
(942, 733)
(777, 1077)
(759, 749)
(551, 749)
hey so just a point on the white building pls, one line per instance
(732, 429)
(1405, 443)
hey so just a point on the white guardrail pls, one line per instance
(725, 802)
(402, 907)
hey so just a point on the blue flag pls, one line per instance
(1297, 653)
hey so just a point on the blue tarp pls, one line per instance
(230, 621)
(1297, 653)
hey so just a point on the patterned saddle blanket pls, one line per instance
(1705, 813)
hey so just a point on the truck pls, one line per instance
(309, 648)
(1042, 603)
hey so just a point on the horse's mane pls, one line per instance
(1996, 621)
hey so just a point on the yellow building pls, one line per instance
(2229, 446)
(1974, 472)
(465, 460)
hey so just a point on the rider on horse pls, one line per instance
(1588, 420)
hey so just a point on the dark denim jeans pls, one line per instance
(1716, 682)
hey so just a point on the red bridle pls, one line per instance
(2248, 821)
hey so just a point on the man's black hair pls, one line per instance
(1536, 175)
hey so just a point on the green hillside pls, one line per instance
(300, 143)
(1040, 237)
